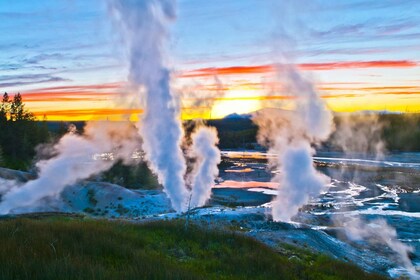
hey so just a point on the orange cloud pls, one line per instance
(344, 95)
(397, 90)
(261, 69)
(67, 96)
(233, 70)
(260, 97)
(358, 64)
(82, 113)
(73, 93)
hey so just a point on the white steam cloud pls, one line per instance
(73, 162)
(207, 157)
(379, 232)
(298, 180)
(289, 135)
(144, 28)
(143, 25)
(360, 134)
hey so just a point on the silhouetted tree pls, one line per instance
(4, 108)
(19, 132)
(17, 110)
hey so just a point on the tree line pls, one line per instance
(20, 133)
(400, 132)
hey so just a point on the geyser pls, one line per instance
(144, 26)
(307, 122)
(289, 135)
(207, 157)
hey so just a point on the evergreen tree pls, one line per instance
(18, 111)
(4, 108)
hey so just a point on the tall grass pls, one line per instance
(76, 248)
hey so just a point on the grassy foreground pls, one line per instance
(76, 248)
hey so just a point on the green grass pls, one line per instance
(77, 248)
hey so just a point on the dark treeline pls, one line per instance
(20, 133)
(400, 132)
(234, 133)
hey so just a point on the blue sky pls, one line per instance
(64, 42)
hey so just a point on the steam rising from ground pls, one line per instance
(144, 28)
(299, 181)
(207, 157)
(73, 162)
(289, 134)
(379, 232)
(361, 134)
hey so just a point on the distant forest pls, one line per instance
(399, 132)
(21, 133)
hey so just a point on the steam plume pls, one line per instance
(144, 29)
(289, 134)
(207, 157)
(378, 231)
(298, 181)
(72, 163)
(361, 134)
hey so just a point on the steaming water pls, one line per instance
(361, 186)
(408, 160)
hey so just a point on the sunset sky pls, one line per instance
(68, 62)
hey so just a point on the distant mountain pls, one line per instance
(238, 116)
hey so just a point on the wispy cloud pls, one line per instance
(260, 69)
(29, 80)
(67, 96)
(368, 28)
(83, 113)
(358, 64)
(36, 59)
(97, 92)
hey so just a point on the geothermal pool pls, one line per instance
(361, 186)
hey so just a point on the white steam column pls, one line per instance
(207, 157)
(143, 25)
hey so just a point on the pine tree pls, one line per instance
(4, 108)
(18, 111)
